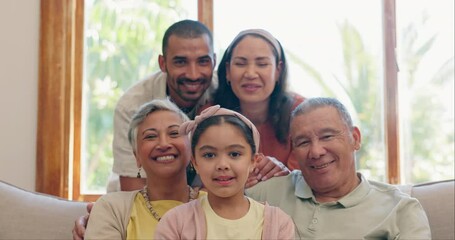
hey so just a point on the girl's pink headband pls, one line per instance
(190, 126)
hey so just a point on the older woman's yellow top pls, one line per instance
(142, 224)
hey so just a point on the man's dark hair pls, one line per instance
(186, 29)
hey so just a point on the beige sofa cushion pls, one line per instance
(29, 215)
(437, 198)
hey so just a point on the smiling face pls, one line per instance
(161, 150)
(252, 70)
(189, 64)
(325, 149)
(223, 163)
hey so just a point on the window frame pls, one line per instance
(59, 92)
(60, 95)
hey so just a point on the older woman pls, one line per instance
(164, 155)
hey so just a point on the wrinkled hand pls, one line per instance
(266, 168)
(81, 223)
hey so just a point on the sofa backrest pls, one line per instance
(30, 215)
(438, 200)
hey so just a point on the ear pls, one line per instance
(214, 61)
(193, 161)
(162, 63)
(357, 137)
(228, 72)
(255, 160)
(279, 68)
(138, 163)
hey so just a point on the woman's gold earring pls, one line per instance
(139, 173)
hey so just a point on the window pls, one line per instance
(425, 49)
(339, 51)
(122, 43)
(334, 50)
(60, 125)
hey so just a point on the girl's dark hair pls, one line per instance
(280, 105)
(218, 120)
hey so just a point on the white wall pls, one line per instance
(19, 41)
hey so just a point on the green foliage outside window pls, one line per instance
(122, 44)
(427, 129)
(123, 40)
(361, 85)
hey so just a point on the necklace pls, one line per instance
(193, 194)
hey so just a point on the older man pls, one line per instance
(327, 198)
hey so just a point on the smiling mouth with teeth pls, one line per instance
(322, 166)
(165, 158)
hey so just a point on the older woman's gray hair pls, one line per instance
(145, 110)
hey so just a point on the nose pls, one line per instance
(250, 72)
(163, 143)
(316, 150)
(193, 72)
(222, 164)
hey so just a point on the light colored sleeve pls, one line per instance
(413, 222)
(107, 220)
(287, 227)
(186, 221)
(151, 87)
(277, 224)
(124, 160)
(255, 192)
(262, 191)
(167, 227)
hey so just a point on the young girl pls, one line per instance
(224, 144)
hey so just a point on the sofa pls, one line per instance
(31, 215)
